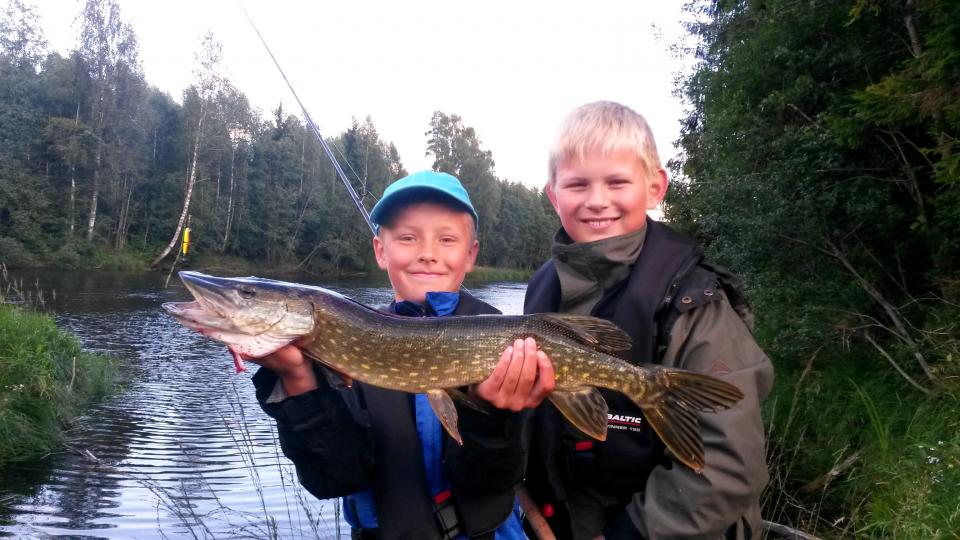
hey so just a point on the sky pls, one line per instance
(512, 70)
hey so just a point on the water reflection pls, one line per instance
(181, 450)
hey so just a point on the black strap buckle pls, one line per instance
(446, 515)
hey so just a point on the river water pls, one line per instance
(181, 449)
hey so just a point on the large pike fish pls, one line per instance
(436, 356)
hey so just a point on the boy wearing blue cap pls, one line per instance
(385, 451)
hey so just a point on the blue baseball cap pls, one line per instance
(418, 185)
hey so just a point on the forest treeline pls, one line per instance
(821, 152)
(94, 158)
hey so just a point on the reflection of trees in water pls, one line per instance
(83, 483)
(80, 489)
(21, 483)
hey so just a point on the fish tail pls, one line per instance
(670, 400)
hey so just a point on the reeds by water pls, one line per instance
(45, 376)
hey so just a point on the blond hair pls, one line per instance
(608, 127)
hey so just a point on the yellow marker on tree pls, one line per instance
(186, 241)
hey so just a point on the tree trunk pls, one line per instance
(226, 230)
(123, 225)
(191, 180)
(94, 194)
(73, 183)
(292, 242)
(915, 48)
(303, 167)
(73, 195)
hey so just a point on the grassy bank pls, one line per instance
(855, 452)
(45, 379)
(73, 255)
(487, 273)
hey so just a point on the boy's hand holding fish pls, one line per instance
(294, 370)
(522, 379)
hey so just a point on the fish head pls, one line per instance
(253, 316)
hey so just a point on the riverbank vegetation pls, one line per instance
(45, 377)
(98, 168)
(822, 162)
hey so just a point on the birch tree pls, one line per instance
(208, 84)
(108, 47)
(21, 38)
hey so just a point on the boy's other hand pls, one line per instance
(522, 378)
(292, 368)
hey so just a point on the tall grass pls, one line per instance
(45, 377)
(855, 453)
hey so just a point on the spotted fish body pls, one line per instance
(421, 354)
(435, 355)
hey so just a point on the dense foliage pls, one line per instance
(93, 157)
(822, 161)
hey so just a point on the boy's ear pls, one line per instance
(657, 189)
(472, 255)
(378, 252)
(552, 196)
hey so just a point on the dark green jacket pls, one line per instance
(627, 487)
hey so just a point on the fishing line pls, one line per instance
(316, 131)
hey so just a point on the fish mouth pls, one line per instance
(208, 290)
(195, 316)
(211, 307)
(217, 295)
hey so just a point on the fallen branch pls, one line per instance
(896, 366)
(787, 532)
(834, 472)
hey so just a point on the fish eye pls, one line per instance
(246, 293)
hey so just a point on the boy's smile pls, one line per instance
(604, 195)
(427, 247)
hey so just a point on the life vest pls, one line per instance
(668, 279)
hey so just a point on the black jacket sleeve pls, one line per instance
(323, 432)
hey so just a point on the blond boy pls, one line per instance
(611, 261)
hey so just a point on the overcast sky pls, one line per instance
(510, 69)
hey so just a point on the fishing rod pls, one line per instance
(315, 129)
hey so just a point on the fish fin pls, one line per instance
(473, 402)
(443, 407)
(599, 334)
(670, 401)
(585, 409)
